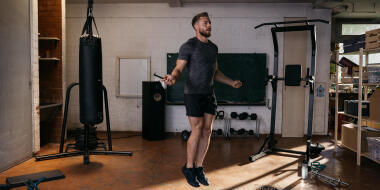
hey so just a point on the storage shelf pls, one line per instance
(364, 118)
(362, 63)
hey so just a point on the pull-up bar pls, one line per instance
(292, 22)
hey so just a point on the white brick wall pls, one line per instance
(156, 29)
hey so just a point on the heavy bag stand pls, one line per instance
(292, 78)
(92, 95)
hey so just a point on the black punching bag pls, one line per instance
(90, 74)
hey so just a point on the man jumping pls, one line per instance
(199, 55)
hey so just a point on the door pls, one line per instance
(293, 97)
(15, 77)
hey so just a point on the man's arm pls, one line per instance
(176, 73)
(220, 77)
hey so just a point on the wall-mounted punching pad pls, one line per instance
(90, 80)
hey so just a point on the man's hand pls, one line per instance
(169, 80)
(236, 84)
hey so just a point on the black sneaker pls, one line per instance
(189, 174)
(201, 177)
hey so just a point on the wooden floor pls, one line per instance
(156, 165)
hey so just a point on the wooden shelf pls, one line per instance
(44, 106)
(349, 115)
(366, 154)
(376, 50)
(49, 38)
(364, 84)
(49, 59)
(364, 118)
(365, 51)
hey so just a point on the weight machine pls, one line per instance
(292, 78)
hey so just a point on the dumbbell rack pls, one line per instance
(227, 127)
(228, 122)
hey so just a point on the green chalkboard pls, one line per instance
(250, 68)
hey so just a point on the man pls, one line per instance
(199, 55)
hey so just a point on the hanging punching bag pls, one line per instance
(90, 73)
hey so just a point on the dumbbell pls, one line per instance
(185, 135)
(232, 130)
(243, 116)
(253, 116)
(217, 132)
(241, 131)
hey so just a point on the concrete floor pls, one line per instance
(156, 165)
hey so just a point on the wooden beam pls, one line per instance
(175, 3)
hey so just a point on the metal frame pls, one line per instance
(86, 153)
(309, 80)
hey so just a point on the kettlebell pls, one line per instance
(220, 114)
(185, 135)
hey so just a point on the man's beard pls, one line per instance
(205, 34)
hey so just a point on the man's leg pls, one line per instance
(196, 124)
(203, 144)
(188, 170)
(204, 139)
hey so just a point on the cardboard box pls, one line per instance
(374, 110)
(372, 124)
(349, 134)
(373, 32)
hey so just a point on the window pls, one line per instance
(132, 71)
(357, 29)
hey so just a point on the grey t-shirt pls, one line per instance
(201, 64)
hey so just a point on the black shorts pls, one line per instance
(198, 104)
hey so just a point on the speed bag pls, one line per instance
(90, 80)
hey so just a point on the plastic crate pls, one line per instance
(374, 148)
(373, 74)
